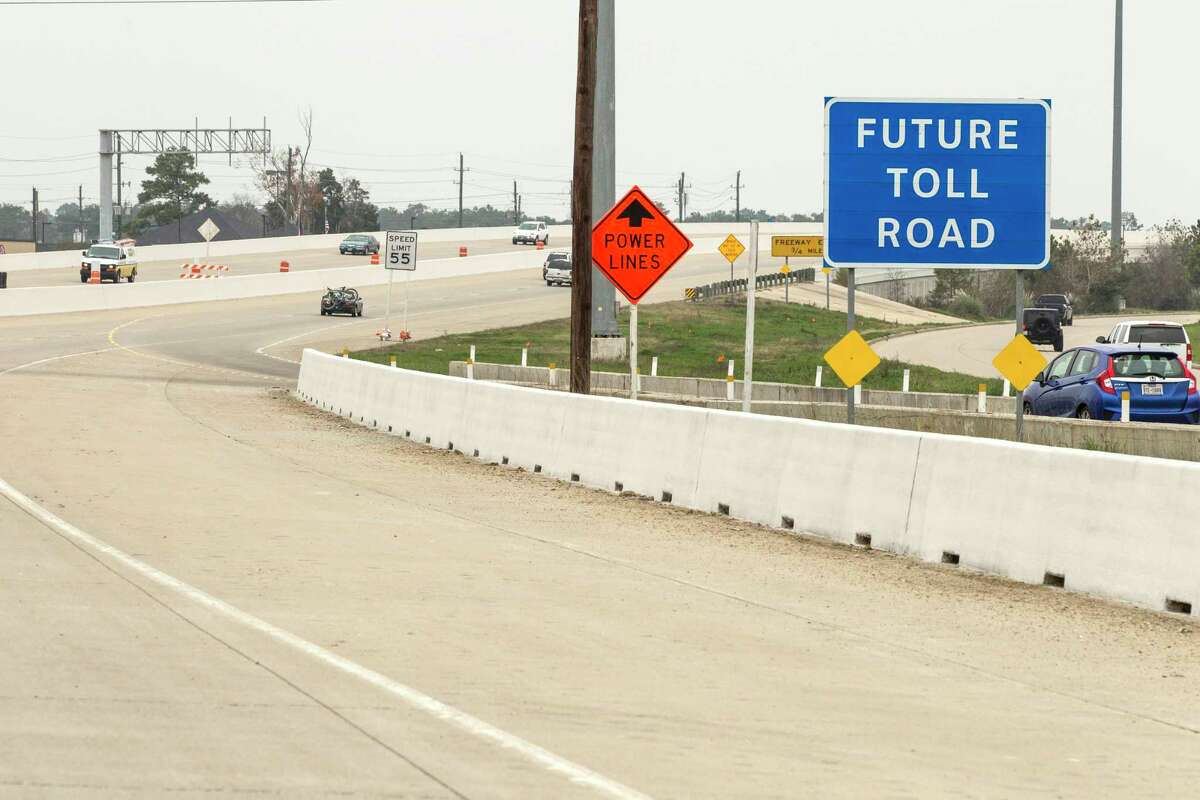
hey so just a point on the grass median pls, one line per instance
(695, 340)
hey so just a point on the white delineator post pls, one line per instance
(981, 403)
(1007, 387)
(751, 281)
(471, 364)
(654, 367)
(820, 369)
(729, 381)
(1125, 406)
(633, 352)
(904, 388)
(524, 356)
(858, 394)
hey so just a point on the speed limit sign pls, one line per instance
(401, 250)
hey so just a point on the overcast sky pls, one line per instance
(398, 88)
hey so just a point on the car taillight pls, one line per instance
(1191, 379)
(1189, 353)
(1104, 381)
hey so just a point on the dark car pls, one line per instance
(1087, 383)
(342, 301)
(359, 244)
(1059, 301)
(1044, 326)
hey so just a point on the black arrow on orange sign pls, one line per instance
(635, 212)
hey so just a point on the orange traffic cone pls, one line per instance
(541, 245)
(284, 266)
(374, 258)
(462, 251)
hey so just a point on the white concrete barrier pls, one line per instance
(1026, 512)
(86, 297)
(560, 237)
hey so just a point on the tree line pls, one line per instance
(1166, 276)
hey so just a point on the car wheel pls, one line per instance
(1083, 412)
(1058, 343)
(131, 277)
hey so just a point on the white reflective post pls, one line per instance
(904, 388)
(981, 404)
(729, 382)
(1125, 406)
(820, 369)
(471, 364)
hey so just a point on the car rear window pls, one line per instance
(1157, 334)
(528, 226)
(356, 238)
(103, 252)
(1052, 298)
(1143, 365)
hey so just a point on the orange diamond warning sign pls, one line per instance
(635, 244)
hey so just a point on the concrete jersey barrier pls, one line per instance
(85, 297)
(1025, 512)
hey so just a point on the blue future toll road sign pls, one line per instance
(937, 183)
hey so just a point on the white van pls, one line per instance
(1166, 335)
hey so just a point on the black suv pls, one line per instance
(1059, 301)
(1044, 326)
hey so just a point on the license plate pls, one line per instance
(1151, 388)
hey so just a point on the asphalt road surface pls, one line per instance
(972, 349)
(208, 588)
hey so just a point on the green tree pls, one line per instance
(360, 213)
(15, 222)
(172, 191)
(950, 284)
(333, 202)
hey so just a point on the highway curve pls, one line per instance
(209, 588)
(972, 349)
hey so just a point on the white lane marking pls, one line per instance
(54, 358)
(576, 773)
(262, 351)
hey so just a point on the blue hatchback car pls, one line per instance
(1087, 383)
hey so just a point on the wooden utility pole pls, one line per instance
(460, 172)
(581, 203)
(516, 206)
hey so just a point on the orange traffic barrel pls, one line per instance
(541, 245)
(284, 266)
(374, 258)
(462, 251)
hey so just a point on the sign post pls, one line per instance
(400, 253)
(634, 245)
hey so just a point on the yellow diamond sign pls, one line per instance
(731, 248)
(1020, 362)
(785, 269)
(852, 358)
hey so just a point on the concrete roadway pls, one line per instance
(646, 650)
(972, 349)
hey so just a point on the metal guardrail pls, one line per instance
(738, 285)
